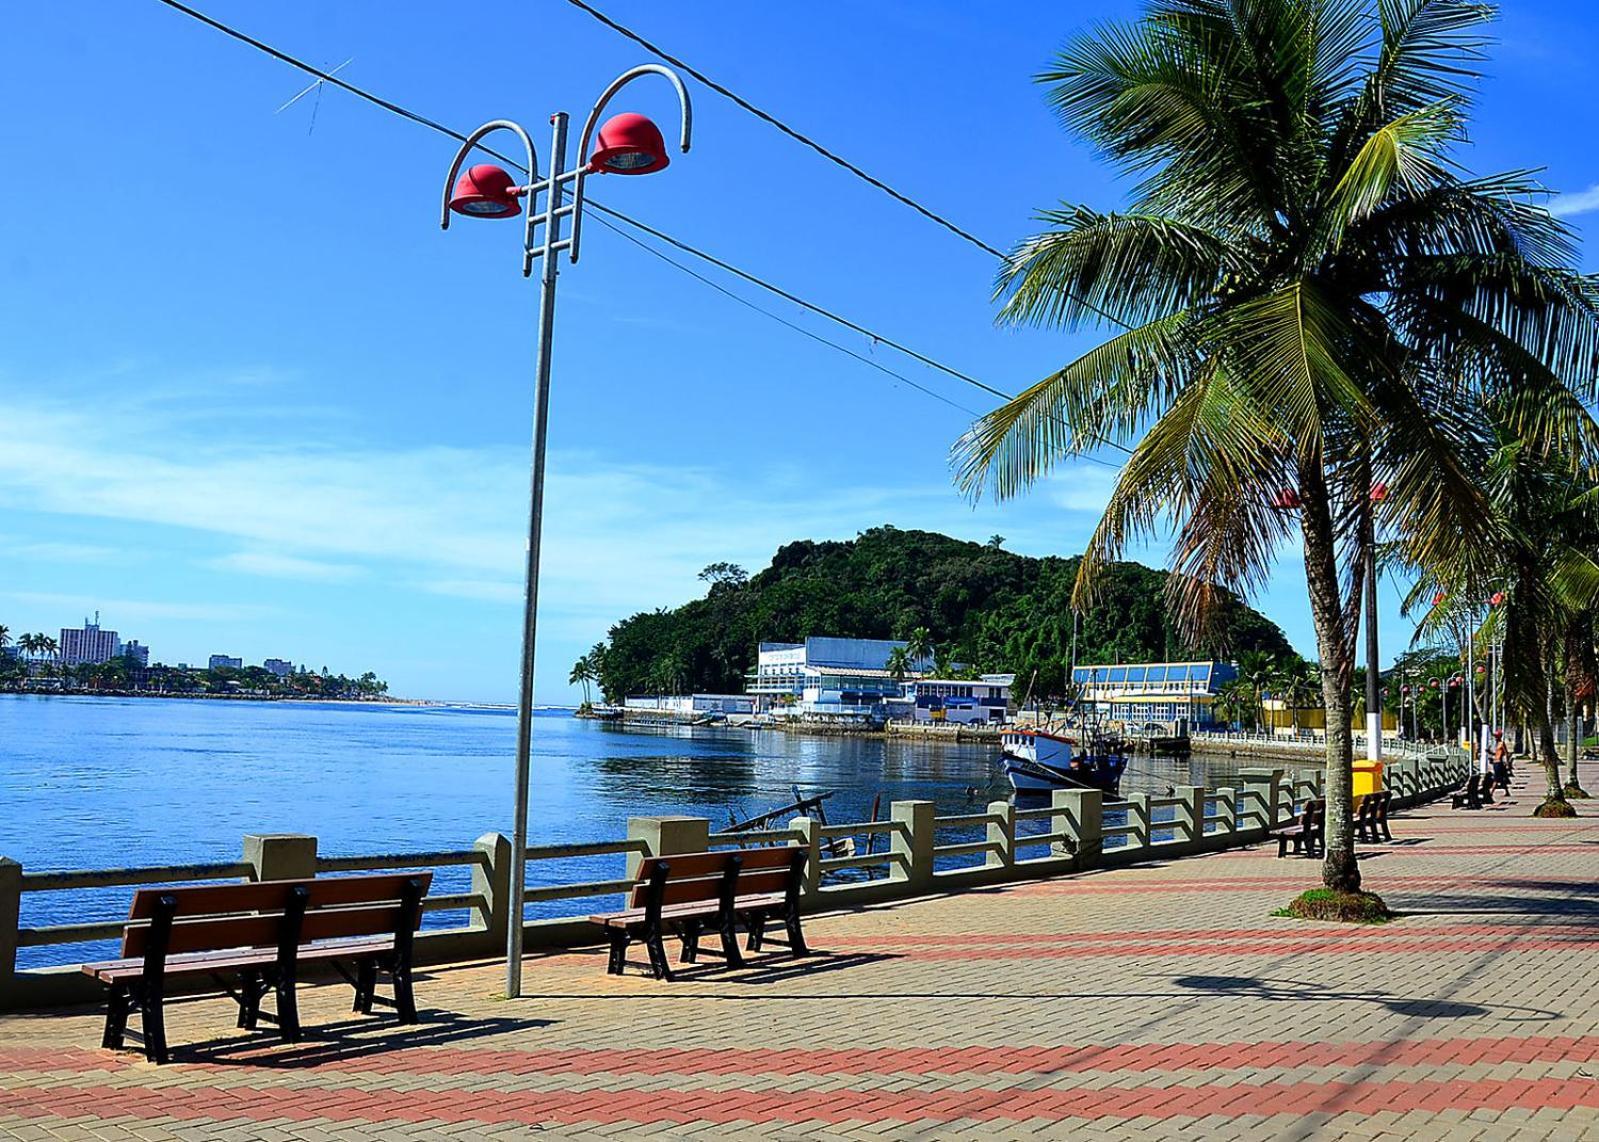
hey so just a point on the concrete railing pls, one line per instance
(914, 851)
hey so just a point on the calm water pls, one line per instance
(97, 783)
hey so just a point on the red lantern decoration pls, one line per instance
(1496, 598)
(1434, 683)
(486, 191)
(1438, 599)
(628, 144)
(1482, 670)
(1379, 492)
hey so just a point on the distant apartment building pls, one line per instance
(137, 651)
(282, 667)
(225, 662)
(830, 678)
(88, 644)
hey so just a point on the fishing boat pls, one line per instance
(1042, 760)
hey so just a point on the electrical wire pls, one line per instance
(440, 128)
(805, 140)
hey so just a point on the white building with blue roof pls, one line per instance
(1165, 693)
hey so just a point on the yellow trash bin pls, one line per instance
(1368, 776)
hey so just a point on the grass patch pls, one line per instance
(1343, 907)
(1553, 808)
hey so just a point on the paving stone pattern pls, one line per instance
(1161, 1001)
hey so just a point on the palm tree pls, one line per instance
(1314, 301)
(1260, 670)
(1543, 568)
(583, 673)
(899, 663)
(5, 636)
(919, 646)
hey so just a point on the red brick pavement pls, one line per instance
(1148, 1002)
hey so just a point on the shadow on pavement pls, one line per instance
(349, 1039)
(1299, 991)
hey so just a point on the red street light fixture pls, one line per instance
(1438, 599)
(1286, 500)
(627, 144)
(1496, 598)
(487, 191)
(1379, 492)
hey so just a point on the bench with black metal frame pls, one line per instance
(1305, 834)
(1470, 795)
(689, 893)
(252, 939)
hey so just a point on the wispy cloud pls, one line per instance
(140, 610)
(1579, 202)
(278, 566)
(67, 552)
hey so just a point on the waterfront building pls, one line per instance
(964, 701)
(690, 705)
(830, 678)
(225, 662)
(78, 646)
(136, 651)
(1172, 695)
(282, 667)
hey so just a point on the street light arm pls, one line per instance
(472, 140)
(685, 133)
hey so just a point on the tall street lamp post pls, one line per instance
(627, 144)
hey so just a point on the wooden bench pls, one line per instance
(687, 893)
(1469, 795)
(1305, 834)
(250, 939)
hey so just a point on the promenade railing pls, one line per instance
(913, 851)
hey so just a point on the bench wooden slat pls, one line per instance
(204, 963)
(273, 895)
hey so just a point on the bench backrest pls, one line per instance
(694, 878)
(218, 917)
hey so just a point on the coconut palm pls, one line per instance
(899, 663)
(1543, 570)
(1313, 300)
(584, 674)
(5, 636)
(919, 646)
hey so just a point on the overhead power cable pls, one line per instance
(805, 140)
(440, 128)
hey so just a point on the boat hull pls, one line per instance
(1031, 777)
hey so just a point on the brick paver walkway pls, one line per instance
(1153, 1002)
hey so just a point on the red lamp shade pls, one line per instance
(1379, 492)
(1482, 670)
(1286, 500)
(1435, 683)
(486, 191)
(1496, 598)
(628, 144)
(1438, 599)
(1404, 689)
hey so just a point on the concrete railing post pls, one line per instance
(280, 856)
(1079, 818)
(1192, 810)
(912, 842)
(1227, 809)
(1139, 817)
(663, 836)
(811, 841)
(1001, 834)
(10, 921)
(491, 880)
(1261, 800)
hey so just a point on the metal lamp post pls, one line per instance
(627, 144)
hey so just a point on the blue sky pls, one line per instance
(253, 401)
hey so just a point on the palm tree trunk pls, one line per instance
(1339, 870)
(1546, 739)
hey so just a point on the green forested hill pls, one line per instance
(982, 605)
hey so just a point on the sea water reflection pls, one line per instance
(99, 783)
